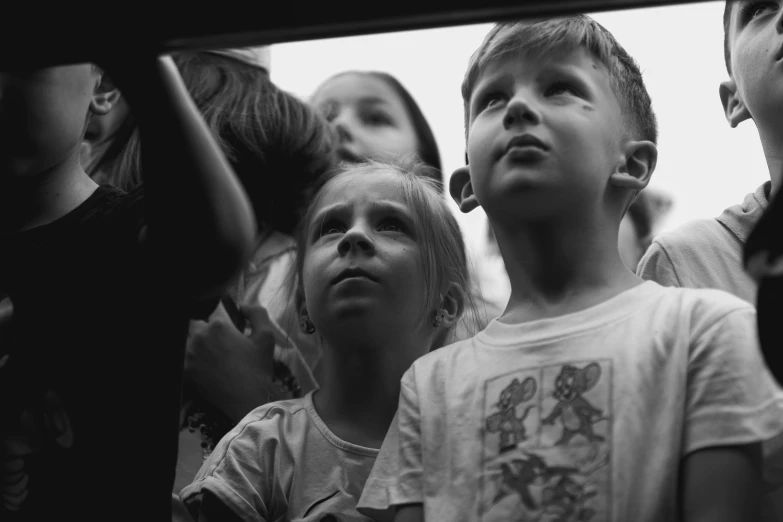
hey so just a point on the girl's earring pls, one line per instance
(305, 324)
(440, 316)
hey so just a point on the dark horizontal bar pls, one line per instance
(220, 24)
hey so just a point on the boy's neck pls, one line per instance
(561, 267)
(27, 203)
(360, 389)
(773, 151)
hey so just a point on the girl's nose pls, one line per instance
(520, 111)
(357, 241)
(342, 125)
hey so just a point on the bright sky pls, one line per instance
(703, 163)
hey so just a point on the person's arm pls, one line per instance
(409, 513)
(201, 225)
(722, 484)
(213, 510)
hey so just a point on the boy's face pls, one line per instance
(756, 46)
(544, 134)
(42, 117)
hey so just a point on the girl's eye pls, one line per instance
(391, 225)
(377, 118)
(331, 227)
(561, 88)
(752, 10)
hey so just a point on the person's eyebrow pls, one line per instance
(486, 82)
(320, 217)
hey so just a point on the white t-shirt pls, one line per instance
(580, 417)
(707, 253)
(281, 463)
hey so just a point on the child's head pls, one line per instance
(753, 49)
(391, 222)
(44, 116)
(377, 118)
(556, 113)
(276, 143)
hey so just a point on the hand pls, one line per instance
(231, 370)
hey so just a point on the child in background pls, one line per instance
(708, 253)
(102, 284)
(381, 267)
(278, 146)
(377, 118)
(596, 395)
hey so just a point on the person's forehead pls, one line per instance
(358, 88)
(358, 187)
(522, 63)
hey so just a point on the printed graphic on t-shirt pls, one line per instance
(547, 444)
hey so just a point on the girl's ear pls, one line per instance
(635, 172)
(105, 97)
(453, 302)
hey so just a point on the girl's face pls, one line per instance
(370, 118)
(362, 260)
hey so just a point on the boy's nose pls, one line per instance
(520, 111)
(357, 241)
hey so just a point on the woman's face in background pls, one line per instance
(370, 118)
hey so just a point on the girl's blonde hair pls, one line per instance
(444, 257)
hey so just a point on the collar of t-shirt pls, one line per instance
(544, 330)
(741, 219)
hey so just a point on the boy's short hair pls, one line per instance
(546, 36)
(726, 30)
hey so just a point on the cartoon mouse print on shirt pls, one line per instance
(575, 412)
(547, 444)
(506, 422)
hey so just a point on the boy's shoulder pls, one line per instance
(697, 308)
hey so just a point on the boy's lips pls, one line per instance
(525, 141)
(779, 55)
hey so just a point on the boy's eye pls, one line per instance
(752, 10)
(560, 88)
(491, 100)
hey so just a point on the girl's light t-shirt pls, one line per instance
(586, 416)
(282, 463)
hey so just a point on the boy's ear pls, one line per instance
(635, 172)
(453, 303)
(105, 97)
(461, 190)
(733, 105)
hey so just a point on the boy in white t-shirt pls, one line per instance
(595, 396)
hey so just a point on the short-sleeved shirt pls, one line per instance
(708, 253)
(90, 392)
(282, 463)
(585, 416)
